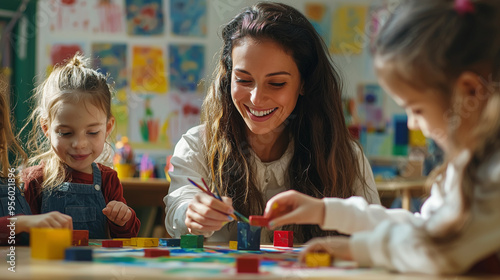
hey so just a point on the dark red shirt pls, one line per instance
(111, 189)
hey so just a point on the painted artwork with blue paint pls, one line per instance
(187, 65)
(111, 59)
(189, 17)
(145, 17)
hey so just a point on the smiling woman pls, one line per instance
(272, 121)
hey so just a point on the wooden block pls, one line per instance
(147, 242)
(318, 259)
(78, 254)
(233, 245)
(259, 221)
(191, 241)
(170, 242)
(80, 238)
(112, 243)
(283, 238)
(247, 264)
(133, 241)
(126, 241)
(248, 237)
(49, 243)
(154, 253)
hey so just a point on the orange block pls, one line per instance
(49, 243)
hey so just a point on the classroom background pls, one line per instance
(160, 55)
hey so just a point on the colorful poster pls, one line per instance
(187, 65)
(145, 17)
(371, 107)
(348, 27)
(111, 60)
(110, 16)
(320, 17)
(61, 53)
(70, 15)
(189, 17)
(148, 70)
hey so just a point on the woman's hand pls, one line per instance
(117, 212)
(335, 246)
(52, 219)
(207, 214)
(292, 207)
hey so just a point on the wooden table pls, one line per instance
(404, 186)
(27, 268)
(138, 192)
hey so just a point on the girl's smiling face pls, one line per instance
(265, 84)
(78, 133)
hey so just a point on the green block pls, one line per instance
(191, 241)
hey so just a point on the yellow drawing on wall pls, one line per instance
(348, 29)
(148, 70)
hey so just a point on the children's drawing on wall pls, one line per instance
(185, 115)
(189, 17)
(70, 15)
(110, 15)
(347, 30)
(148, 70)
(149, 124)
(320, 17)
(60, 52)
(111, 59)
(186, 67)
(145, 17)
(371, 107)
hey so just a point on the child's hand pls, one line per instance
(206, 213)
(292, 207)
(52, 219)
(335, 246)
(117, 212)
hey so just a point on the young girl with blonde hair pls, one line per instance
(71, 123)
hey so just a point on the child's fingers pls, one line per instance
(123, 216)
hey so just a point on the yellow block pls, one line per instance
(233, 245)
(126, 241)
(49, 243)
(147, 242)
(133, 241)
(318, 259)
(417, 138)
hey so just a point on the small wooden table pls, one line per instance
(150, 192)
(404, 185)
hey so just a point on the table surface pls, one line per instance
(27, 268)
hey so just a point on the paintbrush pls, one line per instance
(207, 191)
(243, 218)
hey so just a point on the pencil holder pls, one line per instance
(125, 170)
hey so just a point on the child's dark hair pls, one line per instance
(428, 44)
(71, 83)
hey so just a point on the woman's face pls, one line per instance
(265, 84)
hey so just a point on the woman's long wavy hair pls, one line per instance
(429, 44)
(325, 159)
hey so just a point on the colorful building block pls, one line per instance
(170, 242)
(233, 245)
(248, 237)
(154, 253)
(49, 243)
(112, 243)
(126, 241)
(78, 254)
(318, 259)
(260, 221)
(283, 238)
(147, 242)
(133, 241)
(80, 238)
(247, 264)
(191, 241)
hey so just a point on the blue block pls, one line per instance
(170, 242)
(248, 237)
(78, 254)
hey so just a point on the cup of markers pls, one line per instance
(123, 160)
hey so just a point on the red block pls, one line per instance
(80, 238)
(247, 264)
(112, 243)
(283, 238)
(154, 253)
(260, 221)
